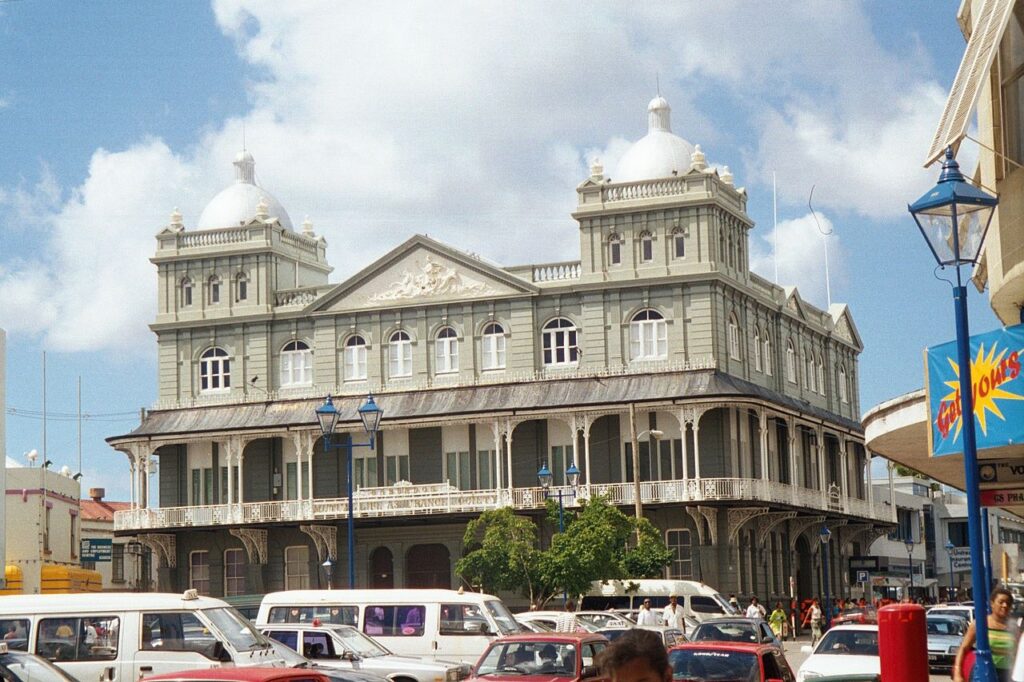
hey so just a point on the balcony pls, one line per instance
(406, 499)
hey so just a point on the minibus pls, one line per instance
(124, 636)
(698, 600)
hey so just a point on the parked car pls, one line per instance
(249, 674)
(533, 626)
(549, 619)
(856, 614)
(669, 636)
(735, 630)
(18, 665)
(344, 647)
(845, 650)
(699, 661)
(962, 610)
(605, 619)
(561, 657)
(945, 633)
(294, 659)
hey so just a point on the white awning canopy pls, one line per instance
(991, 21)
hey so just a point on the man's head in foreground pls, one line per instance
(637, 656)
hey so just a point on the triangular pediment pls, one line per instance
(844, 327)
(794, 304)
(422, 271)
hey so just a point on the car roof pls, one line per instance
(731, 619)
(245, 674)
(554, 637)
(855, 626)
(747, 647)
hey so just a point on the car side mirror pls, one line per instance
(806, 649)
(219, 653)
(590, 671)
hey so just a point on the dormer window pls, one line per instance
(214, 290)
(646, 247)
(186, 292)
(614, 250)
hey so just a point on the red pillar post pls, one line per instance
(903, 643)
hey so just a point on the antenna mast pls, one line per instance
(775, 229)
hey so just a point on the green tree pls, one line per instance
(503, 554)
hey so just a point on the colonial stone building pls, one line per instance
(745, 395)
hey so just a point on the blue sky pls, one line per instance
(468, 121)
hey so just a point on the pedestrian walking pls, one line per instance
(646, 615)
(566, 621)
(1002, 636)
(755, 610)
(813, 620)
(777, 621)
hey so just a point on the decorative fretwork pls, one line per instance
(766, 522)
(163, 544)
(798, 526)
(698, 521)
(711, 514)
(255, 541)
(326, 540)
(739, 516)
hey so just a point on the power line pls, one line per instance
(68, 416)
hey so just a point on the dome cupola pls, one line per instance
(242, 201)
(658, 154)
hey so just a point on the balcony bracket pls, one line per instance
(797, 528)
(255, 541)
(700, 514)
(766, 522)
(739, 516)
(162, 544)
(326, 539)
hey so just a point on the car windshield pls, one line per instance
(529, 658)
(359, 644)
(238, 632)
(942, 626)
(507, 624)
(716, 665)
(22, 667)
(849, 643)
(725, 632)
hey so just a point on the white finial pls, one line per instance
(245, 168)
(176, 221)
(726, 175)
(697, 160)
(263, 209)
(307, 227)
(596, 169)
(659, 115)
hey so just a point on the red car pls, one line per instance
(698, 661)
(252, 674)
(859, 614)
(549, 656)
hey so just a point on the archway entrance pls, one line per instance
(428, 566)
(382, 569)
(804, 569)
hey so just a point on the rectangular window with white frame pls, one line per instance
(199, 571)
(484, 469)
(296, 567)
(679, 543)
(396, 468)
(458, 470)
(364, 470)
(234, 572)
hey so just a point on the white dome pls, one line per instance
(657, 154)
(240, 202)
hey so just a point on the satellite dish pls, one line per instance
(32, 455)
(65, 471)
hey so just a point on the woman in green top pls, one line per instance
(777, 620)
(1002, 636)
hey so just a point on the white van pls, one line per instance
(124, 636)
(697, 599)
(437, 624)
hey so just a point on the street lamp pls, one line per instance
(953, 217)
(572, 477)
(949, 552)
(329, 570)
(909, 543)
(327, 416)
(825, 535)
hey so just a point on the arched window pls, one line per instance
(821, 374)
(214, 290)
(768, 360)
(241, 287)
(614, 249)
(559, 342)
(296, 364)
(214, 370)
(355, 358)
(646, 247)
(186, 291)
(648, 336)
(678, 243)
(844, 394)
(446, 351)
(808, 370)
(790, 362)
(400, 354)
(734, 338)
(493, 346)
(757, 349)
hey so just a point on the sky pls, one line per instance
(471, 122)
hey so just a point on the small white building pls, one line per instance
(126, 566)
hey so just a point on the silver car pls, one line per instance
(945, 633)
(346, 648)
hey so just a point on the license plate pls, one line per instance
(932, 657)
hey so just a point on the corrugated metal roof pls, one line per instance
(596, 392)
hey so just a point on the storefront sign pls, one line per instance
(996, 386)
(1003, 473)
(96, 549)
(961, 558)
(998, 498)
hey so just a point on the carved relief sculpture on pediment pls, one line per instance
(432, 279)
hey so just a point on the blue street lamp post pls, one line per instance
(953, 217)
(910, 565)
(327, 416)
(572, 477)
(825, 535)
(949, 552)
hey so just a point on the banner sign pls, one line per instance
(96, 549)
(1002, 473)
(961, 557)
(996, 386)
(999, 498)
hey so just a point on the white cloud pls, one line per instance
(800, 256)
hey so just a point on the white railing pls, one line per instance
(644, 190)
(407, 499)
(300, 242)
(231, 235)
(552, 272)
